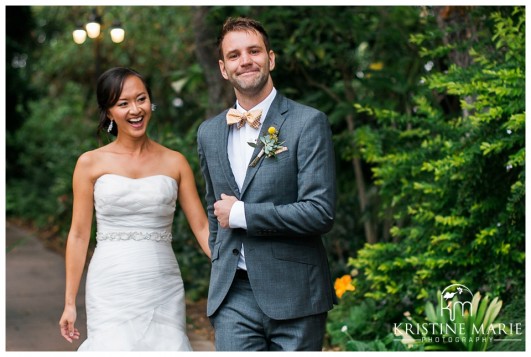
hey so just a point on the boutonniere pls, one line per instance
(270, 145)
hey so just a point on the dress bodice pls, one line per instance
(125, 204)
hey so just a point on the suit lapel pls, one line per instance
(275, 117)
(224, 157)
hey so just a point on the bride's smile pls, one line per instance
(133, 108)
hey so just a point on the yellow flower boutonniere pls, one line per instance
(270, 145)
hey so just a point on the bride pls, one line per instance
(134, 290)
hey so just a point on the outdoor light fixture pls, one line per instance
(94, 25)
(80, 35)
(93, 29)
(117, 32)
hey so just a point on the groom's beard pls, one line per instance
(251, 86)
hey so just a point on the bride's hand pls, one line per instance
(66, 324)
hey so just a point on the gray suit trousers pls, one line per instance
(240, 325)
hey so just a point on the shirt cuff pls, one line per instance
(237, 216)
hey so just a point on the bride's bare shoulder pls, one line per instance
(89, 157)
(90, 162)
(173, 161)
(173, 156)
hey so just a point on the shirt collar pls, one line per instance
(263, 105)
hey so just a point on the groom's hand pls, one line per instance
(222, 209)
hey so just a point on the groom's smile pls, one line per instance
(246, 62)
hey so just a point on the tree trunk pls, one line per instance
(370, 229)
(220, 92)
(370, 232)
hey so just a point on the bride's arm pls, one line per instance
(77, 243)
(192, 206)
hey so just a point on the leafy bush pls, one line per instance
(454, 183)
(54, 134)
(357, 325)
(513, 313)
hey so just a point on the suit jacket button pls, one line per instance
(235, 252)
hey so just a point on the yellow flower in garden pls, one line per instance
(343, 285)
(271, 130)
(376, 66)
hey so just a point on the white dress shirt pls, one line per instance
(240, 153)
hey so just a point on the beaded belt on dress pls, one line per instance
(154, 236)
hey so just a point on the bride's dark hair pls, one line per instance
(109, 88)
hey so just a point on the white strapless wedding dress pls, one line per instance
(134, 290)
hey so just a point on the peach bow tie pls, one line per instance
(238, 118)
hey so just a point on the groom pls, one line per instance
(270, 286)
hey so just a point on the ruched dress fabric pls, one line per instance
(134, 290)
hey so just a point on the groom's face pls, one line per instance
(246, 62)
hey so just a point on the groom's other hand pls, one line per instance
(222, 209)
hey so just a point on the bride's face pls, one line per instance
(132, 111)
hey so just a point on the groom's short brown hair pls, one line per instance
(242, 24)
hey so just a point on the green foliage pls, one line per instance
(513, 316)
(358, 327)
(50, 139)
(387, 344)
(455, 183)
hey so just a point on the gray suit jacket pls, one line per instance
(289, 203)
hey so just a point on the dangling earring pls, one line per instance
(153, 107)
(109, 129)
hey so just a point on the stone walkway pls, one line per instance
(35, 297)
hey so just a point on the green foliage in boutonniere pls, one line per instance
(269, 143)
